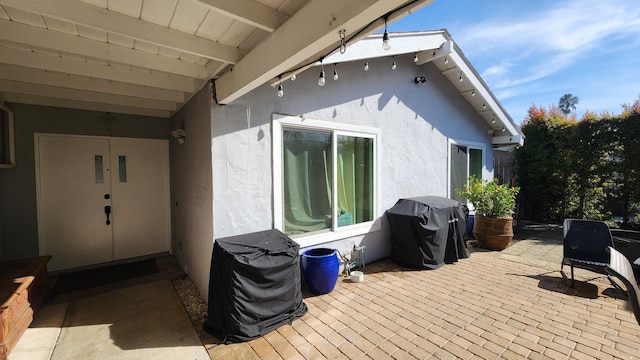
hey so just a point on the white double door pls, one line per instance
(101, 199)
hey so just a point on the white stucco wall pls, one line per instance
(192, 190)
(415, 121)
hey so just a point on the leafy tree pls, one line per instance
(542, 165)
(585, 169)
(567, 103)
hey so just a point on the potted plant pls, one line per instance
(494, 205)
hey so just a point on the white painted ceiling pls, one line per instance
(149, 57)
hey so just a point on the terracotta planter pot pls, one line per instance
(493, 233)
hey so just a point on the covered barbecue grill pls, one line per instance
(427, 232)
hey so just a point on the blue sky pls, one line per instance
(533, 52)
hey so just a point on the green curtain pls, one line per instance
(475, 163)
(355, 180)
(307, 181)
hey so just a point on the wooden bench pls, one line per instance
(23, 289)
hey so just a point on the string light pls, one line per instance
(446, 60)
(503, 129)
(366, 66)
(280, 89)
(484, 106)
(386, 44)
(293, 77)
(321, 80)
(415, 58)
(394, 66)
(335, 72)
(473, 93)
(461, 79)
(493, 121)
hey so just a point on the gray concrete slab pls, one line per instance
(146, 321)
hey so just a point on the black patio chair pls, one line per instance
(620, 267)
(585, 246)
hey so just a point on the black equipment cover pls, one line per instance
(427, 232)
(254, 285)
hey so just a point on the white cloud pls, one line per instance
(543, 43)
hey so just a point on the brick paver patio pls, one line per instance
(493, 305)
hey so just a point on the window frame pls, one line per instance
(286, 122)
(470, 145)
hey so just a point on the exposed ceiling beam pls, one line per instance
(249, 12)
(52, 78)
(80, 95)
(287, 47)
(95, 106)
(110, 21)
(90, 69)
(34, 36)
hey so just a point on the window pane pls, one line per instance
(355, 180)
(99, 169)
(475, 163)
(458, 171)
(122, 169)
(307, 181)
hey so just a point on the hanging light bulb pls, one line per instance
(366, 66)
(393, 66)
(473, 93)
(386, 44)
(280, 89)
(493, 121)
(415, 58)
(335, 72)
(484, 106)
(321, 80)
(446, 60)
(461, 79)
(293, 77)
(503, 129)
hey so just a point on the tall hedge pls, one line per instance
(584, 169)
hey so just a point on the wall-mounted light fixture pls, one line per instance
(420, 80)
(179, 134)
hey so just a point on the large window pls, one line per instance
(326, 174)
(465, 160)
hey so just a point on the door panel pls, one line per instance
(73, 175)
(71, 202)
(141, 218)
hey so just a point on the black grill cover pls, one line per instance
(254, 285)
(427, 232)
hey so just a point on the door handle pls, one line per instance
(107, 211)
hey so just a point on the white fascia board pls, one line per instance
(422, 44)
(401, 44)
(458, 63)
(512, 140)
